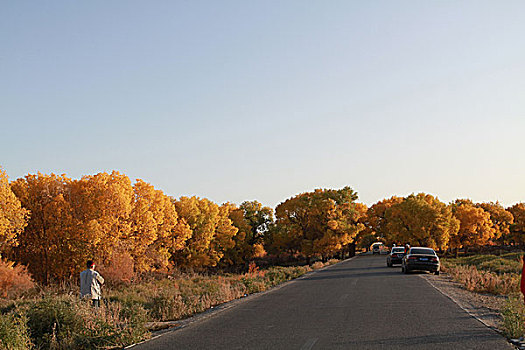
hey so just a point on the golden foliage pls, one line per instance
(50, 245)
(421, 220)
(212, 231)
(322, 222)
(475, 228)
(13, 218)
(517, 229)
(501, 219)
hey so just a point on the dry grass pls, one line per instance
(185, 294)
(59, 320)
(481, 281)
(485, 273)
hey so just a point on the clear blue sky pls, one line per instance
(242, 100)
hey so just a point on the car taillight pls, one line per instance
(394, 255)
(412, 258)
(434, 259)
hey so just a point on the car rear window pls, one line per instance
(426, 251)
(398, 250)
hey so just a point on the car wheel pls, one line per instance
(406, 270)
(402, 269)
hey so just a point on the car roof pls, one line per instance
(427, 248)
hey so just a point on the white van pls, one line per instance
(377, 247)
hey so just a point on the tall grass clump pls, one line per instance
(14, 333)
(513, 314)
(481, 281)
(68, 323)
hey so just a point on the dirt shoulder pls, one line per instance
(485, 307)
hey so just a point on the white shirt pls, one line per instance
(90, 282)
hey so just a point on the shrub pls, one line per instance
(67, 323)
(52, 322)
(332, 261)
(119, 270)
(14, 334)
(317, 265)
(14, 280)
(513, 314)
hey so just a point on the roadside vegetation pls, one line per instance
(55, 318)
(166, 258)
(497, 275)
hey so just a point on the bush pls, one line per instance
(119, 270)
(513, 314)
(14, 334)
(52, 322)
(317, 265)
(14, 280)
(67, 323)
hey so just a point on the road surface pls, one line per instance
(357, 304)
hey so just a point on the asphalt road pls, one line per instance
(357, 304)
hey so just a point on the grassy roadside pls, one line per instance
(497, 275)
(53, 320)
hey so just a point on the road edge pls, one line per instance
(471, 314)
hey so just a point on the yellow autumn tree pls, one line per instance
(102, 205)
(320, 223)
(476, 227)
(51, 245)
(375, 222)
(155, 232)
(517, 229)
(252, 220)
(211, 232)
(501, 219)
(13, 218)
(421, 220)
(242, 251)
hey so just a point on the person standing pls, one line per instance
(90, 283)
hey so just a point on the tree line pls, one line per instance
(52, 224)
(421, 219)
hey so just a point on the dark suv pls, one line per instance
(420, 259)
